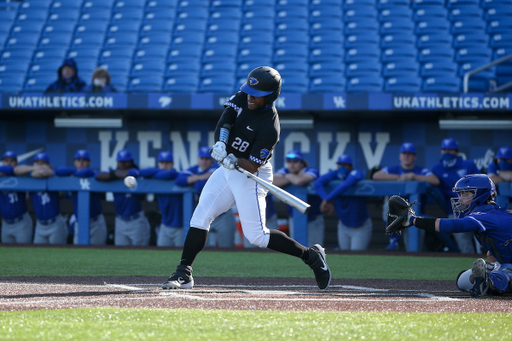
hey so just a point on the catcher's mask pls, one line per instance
(263, 81)
(472, 191)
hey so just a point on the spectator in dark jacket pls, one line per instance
(100, 82)
(68, 78)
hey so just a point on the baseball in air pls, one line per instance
(130, 181)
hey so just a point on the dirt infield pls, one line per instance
(24, 293)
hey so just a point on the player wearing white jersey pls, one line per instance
(246, 135)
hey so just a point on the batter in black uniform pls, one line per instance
(246, 135)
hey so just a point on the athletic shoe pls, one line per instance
(393, 242)
(317, 263)
(479, 276)
(181, 279)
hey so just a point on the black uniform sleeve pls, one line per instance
(233, 107)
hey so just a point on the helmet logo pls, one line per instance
(253, 81)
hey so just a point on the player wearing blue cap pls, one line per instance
(97, 224)
(355, 224)
(50, 227)
(407, 170)
(449, 170)
(501, 169)
(223, 227)
(132, 226)
(170, 231)
(17, 225)
(298, 173)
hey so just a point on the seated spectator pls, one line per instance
(407, 170)
(355, 224)
(51, 227)
(132, 226)
(222, 229)
(17, 225)
(449, 170)
(170, 231)
(100, 82)
(298, 173)
(68, 80)
(97, 224)
(501, 169)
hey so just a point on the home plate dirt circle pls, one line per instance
(25, 293)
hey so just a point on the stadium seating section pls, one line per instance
(210, 45)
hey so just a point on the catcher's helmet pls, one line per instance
(263, 81)
(481, 190)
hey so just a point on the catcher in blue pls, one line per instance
(475, 211)
(246, 135)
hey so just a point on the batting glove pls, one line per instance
(230, 162)
(219, 151)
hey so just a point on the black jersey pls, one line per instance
(253, 133)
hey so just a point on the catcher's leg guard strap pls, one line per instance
(427, 224)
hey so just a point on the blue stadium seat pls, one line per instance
(402, 84)
(126, 15)
(16, 56)
(183, 17)
(400, 69)
(98, 4)
(464, 12)
(39, 83)
(26, 41)
(91, 28)
(434, 53)
(425, 12)
(479, 84)
(94, 16)
(184, 52)
(399, 12)
(180, 84)
(145, 69)
(13, 68)
(396, 39)
(300, 27)
(441, 84)
(220, 52)
(159, 15)
(327, 84)
(323, 27)
(36, 5)
(84, 53)
(145, 84)
(289, 38)
(55, 18)
(426, 3)
(120, 40)
(466, 67)
(160, 40)
(296, 13)
(501, 52)
(210, 70)
(157, 27)
(66, 4)
(363, 39)
(467, 40)
(60, 27)
(351, 4)
(383, 4)
(289, 67)
(45, 67)
(361, 12)
(151, 53)
(295, 85)
(114, 54)
(473, 25)
(396, 26)
(326, 53)
(438, 68)
(504, 70)
(217, 85)
(322, 69)
(263, 12)
(472, 53)
(190, 4)
(461, 3)
(246, 55)
(199, 27)
(326, 40)
(27, 29)
(396, 54)
(433, 40)
(332, 12)
(89, 40)
(497, 12)
(501, 40)
(225, 4)
(182, 68)
(291, 53)
(493, 3)
(503, 80)
(55, 41)
(132, 4)
(432, 27)
(359, 26)
(49, 55)
(364, 84)
(10, 84)
(357, 54)
(226, 15)
(124, 27)
(187, 39)
(502, 25)
(30, 17)
(363, 69)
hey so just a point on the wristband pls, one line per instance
(224, 135)
(427, 224)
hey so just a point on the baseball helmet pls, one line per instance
(42, 156)
(82, 154)
(263, 81)
(204, 152)
(165, 156)
(124, 155)
(345, 158)
(449, 144)
(503, 153)
(408, 147)
(294, 155)
(481, 190)
(10, 154)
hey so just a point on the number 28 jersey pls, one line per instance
(254, 133)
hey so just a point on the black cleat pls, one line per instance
(319, 266)
(181, 279)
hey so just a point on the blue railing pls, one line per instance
(365, 188)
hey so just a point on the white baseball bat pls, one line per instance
(282, 195)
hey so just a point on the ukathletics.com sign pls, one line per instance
(65, 101)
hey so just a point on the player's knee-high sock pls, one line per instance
(282, 243)
(194, 243)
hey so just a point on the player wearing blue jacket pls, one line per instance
(132, 226)
(222, 229)
(17, 225)
(170, 232)
(355, 224)
(450, 169)
(97, 224)
(407, 170)
(491, 225)
(50, 227)
(501, 169)
(298, 173)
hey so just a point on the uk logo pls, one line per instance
(253, 81)
(264, 153)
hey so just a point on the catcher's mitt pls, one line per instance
(399, 214)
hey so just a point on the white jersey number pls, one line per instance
(13, 197)
(240, 145)
(45, 198)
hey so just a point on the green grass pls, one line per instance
(156, 324)
(112, 262)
